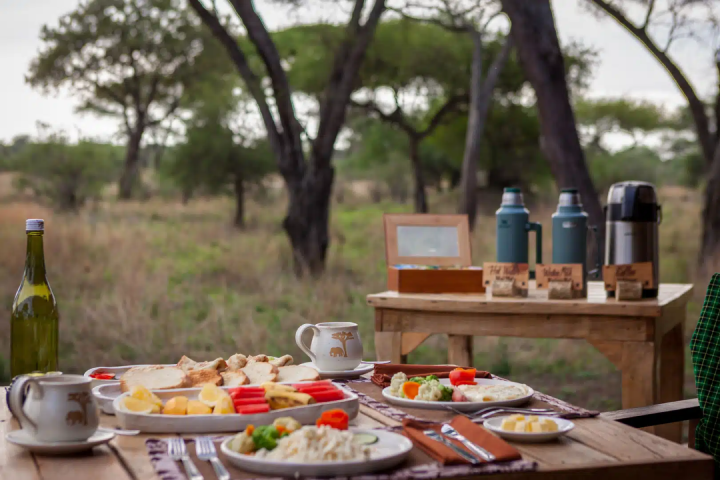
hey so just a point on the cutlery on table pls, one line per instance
(439, 438)
(119, 431)
(205, 450)
(476, 449)
(486, 415)
(178, 452)
(494, 410)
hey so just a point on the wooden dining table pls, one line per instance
(597, 449)
(642, 338)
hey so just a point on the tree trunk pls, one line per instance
(239, 221)
(711, 216)
(420, 197)
(306, 222)
(534, 34)
(130, 170)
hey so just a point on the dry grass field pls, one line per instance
(146, 282)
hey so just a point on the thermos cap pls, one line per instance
(569, 197)
(512, 196)
(34, 225)
(569, 190)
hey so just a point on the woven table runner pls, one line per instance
(370, 395)
(418, 466)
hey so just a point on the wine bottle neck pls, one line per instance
(35, 260)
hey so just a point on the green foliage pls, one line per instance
(65, 175)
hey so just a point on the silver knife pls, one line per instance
(439, 438)
(476, 449)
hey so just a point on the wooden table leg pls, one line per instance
(671, 378)
(388, 344)
(460, 350)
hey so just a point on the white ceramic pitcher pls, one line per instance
(335, 346)
(57, 408)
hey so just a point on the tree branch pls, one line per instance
(396, 117)
(496, 67)
(697, 107)
(248, 76)
(450, 106)
(648, 14)
(260, 37)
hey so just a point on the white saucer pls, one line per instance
(359, 370)
(22, 439)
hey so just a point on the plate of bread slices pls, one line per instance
(236, 371)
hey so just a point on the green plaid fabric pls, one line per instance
(705, 348)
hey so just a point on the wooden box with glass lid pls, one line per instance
(430, 254)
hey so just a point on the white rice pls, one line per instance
(316, 445)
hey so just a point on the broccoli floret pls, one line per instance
(447, 393)
(431, 377)
(419, 380)
(265, 437)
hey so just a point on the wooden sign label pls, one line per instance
(519, 272)
(634, 272)
(562, 272)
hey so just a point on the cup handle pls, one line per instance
(298, 339)
(16, 399)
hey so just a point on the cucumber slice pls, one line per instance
(365, 438)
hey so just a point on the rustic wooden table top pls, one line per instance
(596, 449)
(596, 303)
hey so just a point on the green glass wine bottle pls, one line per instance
(34, 321)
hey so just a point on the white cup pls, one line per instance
(335, 346)
(57, 408)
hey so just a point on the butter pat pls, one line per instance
(549, 424)
(520, 427)
(529, 424)
(508, 424)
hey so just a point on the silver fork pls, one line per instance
(476, 449)
(486, 410)
(178, 451)
(206, 451)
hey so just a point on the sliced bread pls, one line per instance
(260, 372)
(154, 377)
(261, 358)
(186, 363)
(199, 378)
(296, 373)
(234, 378)
(282, 361)
(217, 364)
(236, 362)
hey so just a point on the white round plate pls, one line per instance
(460, 406)
(391, 449)
(22, 439)
(564, 426)
(361, 369)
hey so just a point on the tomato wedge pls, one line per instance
(327, 396)
(335, 418)
(251, 409)
(102, 376)
(462, 375)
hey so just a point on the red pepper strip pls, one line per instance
(103, 376)
(327, 396)
(248, 401)
(320, 383)
(335, 418)
(317, 389)
(246, 393)
(251, 409)
(464, 382)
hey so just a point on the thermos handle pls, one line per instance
(598, 261)
(537, 228)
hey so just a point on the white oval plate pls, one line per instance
(391, 450)
(460, 406)
(564, 426)
(361, 369)
(159, 423)
(115, 370)
(22, 438)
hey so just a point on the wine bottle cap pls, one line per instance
(34, 225)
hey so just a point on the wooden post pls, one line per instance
(460, 350)
(672, 374)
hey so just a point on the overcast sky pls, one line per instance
(625, 68)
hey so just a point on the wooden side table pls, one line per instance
(644, 339)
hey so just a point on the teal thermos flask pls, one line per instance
(569, 233)
(513, 230)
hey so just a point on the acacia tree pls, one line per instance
(470, 18)
(126, 59)
(534, 34)
(308, 180)
(658, 26)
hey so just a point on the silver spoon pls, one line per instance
(119, 431)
